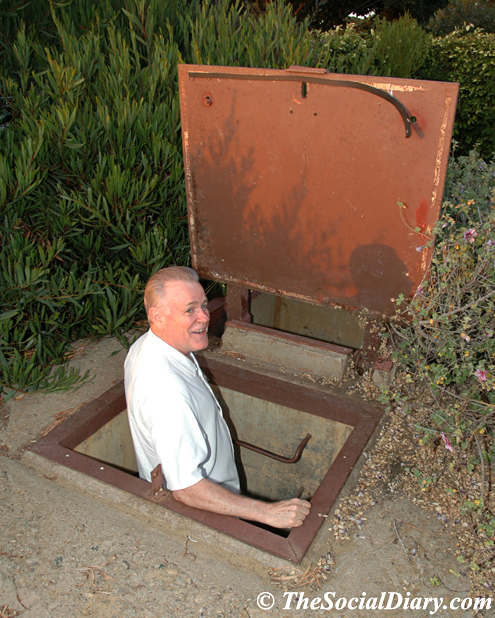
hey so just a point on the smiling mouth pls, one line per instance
(199, 332)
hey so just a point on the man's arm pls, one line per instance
(209, 496)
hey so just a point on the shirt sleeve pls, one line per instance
(180, 443)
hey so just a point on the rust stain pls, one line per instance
(421, 215)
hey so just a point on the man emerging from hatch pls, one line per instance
(174, 416)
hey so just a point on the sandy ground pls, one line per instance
(66, 551)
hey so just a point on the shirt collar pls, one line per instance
(189, 363)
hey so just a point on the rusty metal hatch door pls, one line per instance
(311, 185)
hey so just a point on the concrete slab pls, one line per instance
(294, 352)
(66, 552)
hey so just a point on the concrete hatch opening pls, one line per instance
(281, 431)
(313, 211)
(256, 426)
(263, 411)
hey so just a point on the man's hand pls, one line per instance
(209, 496)
(288, 513)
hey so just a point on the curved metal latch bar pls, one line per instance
(289, 460)
(310, 79)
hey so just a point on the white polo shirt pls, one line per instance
(175, 418)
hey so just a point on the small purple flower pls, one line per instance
(481, 375)
(491, 243)
(444, 225)
(420, 248)
(470, 235)
(419, 290)
(448, 445)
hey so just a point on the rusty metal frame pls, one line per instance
(59, 445)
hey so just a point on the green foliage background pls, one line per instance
(403, 49)
(459, 13)
(467, 56)
(92, 197)
(331, 13)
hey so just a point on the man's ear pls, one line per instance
(156, 316)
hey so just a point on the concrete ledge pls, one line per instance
(290, 351)
(229, 550)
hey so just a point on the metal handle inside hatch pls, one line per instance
(294, 459)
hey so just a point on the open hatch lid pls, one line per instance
(311, 185)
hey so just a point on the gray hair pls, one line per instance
(156, 286)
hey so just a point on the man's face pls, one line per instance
(183, 317)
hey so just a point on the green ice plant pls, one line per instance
(91, 192)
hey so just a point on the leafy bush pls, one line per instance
(393, 49)
(92, 197)
(91, 191)
(460, 13)
(400, 48)
(349, 51)
(468, 57)
(447, 333)
(228, 35)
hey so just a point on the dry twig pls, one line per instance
(5, 612)
(401, 541)
(296, 577)
(19, 599)
(60, 417)
(482, 466)
(92, 572)
(187, 553)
